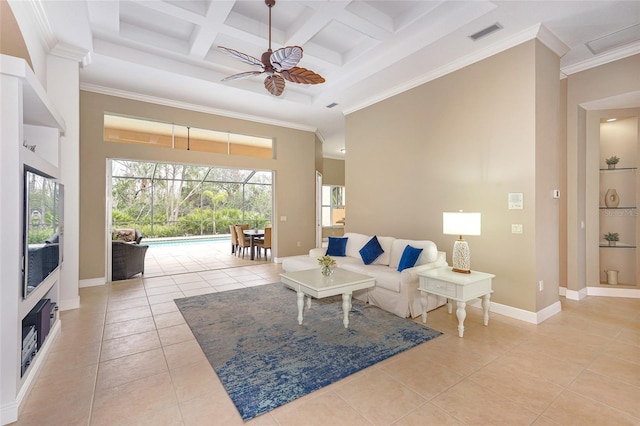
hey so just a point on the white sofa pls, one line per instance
(395, 292)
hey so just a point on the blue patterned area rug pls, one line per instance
(265, 359)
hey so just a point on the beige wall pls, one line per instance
(562, 186)
(547, 165)
(11, 40)
(585, 90)
(294, 168)
(332, 172)
(464, 142)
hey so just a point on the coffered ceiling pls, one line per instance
(166, 51)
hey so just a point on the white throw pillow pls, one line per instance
(355, 243)
(429, 251)
(386, 243)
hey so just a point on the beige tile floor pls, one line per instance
(126, 357)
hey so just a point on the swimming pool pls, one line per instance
(159, 242)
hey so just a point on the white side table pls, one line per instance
(456, 286)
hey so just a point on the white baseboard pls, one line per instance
(92, 282)
(548, 312)
(612, 291)
(521, 314)
(574, 295)
(67, 304)
(9, 413)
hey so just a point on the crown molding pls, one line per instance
(74, 53)
(192, 107)
(550, 40)
(605, 58)
(33, 11)
(47, 36)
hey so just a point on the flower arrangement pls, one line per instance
(327, 263)
(612, 161)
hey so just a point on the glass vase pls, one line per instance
(326, 270)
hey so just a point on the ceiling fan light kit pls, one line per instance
(279, 65)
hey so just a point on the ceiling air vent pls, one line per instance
(614, 40)
(482, 33)
(332, 104)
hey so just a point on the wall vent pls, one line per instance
(483, 33)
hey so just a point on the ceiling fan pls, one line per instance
(279, 65)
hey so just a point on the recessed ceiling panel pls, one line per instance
(196, 6)
(392, 15)
(333, 42)
(253, 17)
(149, 20)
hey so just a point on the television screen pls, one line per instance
(42, 219)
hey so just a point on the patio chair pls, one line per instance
(264, 243)
(234, 238)
(243, 242)
(127, 260)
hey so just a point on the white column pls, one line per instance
(63, 87)
(10, 244)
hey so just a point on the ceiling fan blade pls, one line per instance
(248, 59)
(242, 75)
(302, 76)
(286, 58)
(274, 84)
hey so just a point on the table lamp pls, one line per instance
(460, 223)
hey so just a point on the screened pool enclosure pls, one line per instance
(176, 200)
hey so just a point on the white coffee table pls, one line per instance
(312, 283)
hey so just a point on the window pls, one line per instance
(166, 135)
(333, 205)
(170, 200)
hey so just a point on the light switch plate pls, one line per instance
(516, 228)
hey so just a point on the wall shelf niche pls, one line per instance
(619, 138)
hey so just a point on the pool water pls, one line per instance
(159, 242)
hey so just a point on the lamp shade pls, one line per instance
(461, 223)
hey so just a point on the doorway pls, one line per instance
(180, 205)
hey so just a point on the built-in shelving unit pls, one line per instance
(28, 117)
(620, 215)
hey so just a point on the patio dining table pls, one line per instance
(253, 234)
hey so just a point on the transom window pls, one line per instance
(168, 135)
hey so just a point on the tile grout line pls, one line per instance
(95, 381)
(164, 357)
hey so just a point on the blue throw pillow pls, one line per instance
(409, 257)
(371, 251)
(337, 246)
